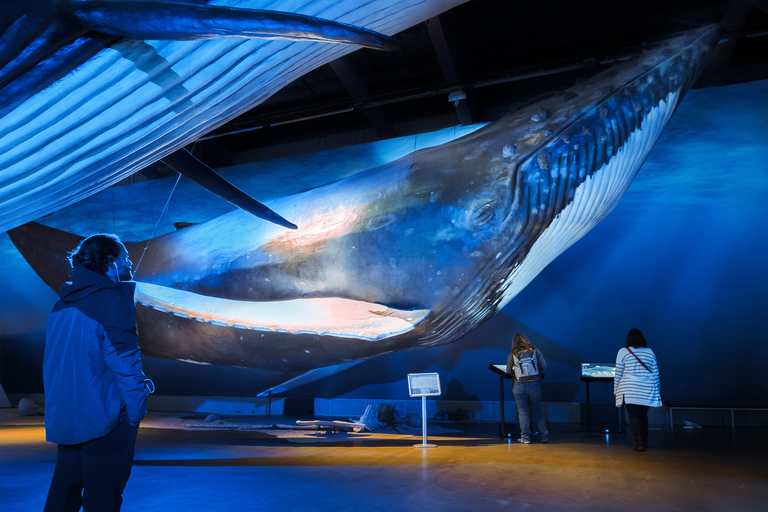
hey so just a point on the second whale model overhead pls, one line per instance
(415, 253)
(92, 91)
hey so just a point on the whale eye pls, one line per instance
(484, 214)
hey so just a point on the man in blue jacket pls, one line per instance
(95, 389)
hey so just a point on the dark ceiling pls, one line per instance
(476, 62)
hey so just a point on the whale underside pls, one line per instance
(415, 253)
(92, 91)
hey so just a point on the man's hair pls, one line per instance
(97, 252)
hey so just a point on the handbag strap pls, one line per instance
(638, 360)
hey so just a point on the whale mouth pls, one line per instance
(333, 316)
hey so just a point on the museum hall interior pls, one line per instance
(383, 255)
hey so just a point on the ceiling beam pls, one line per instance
(455, 69)
(760, 4)
(734, 19)
(354, 84)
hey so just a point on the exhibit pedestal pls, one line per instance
(500, 370)
(588, 405)
(424, 425)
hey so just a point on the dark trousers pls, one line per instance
(93, 474)
(638, 422)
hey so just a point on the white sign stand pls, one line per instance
(424, 385)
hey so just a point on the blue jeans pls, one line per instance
(528, 399)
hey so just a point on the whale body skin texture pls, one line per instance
(415, 253)
(93, 91)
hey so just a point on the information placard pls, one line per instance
(423, 384)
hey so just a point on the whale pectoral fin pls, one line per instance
(306, 378)
(174, 21)
(343, 318)
(183, 162)
(182, 225)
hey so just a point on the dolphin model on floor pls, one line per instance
(92, 91)
(415, 253)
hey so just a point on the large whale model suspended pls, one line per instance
(92, 91)
(415, 253)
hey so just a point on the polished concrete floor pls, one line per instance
(471, 469)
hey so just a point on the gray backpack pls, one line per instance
(527, 367)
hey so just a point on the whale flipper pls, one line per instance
(308, 377)
(150, 20)
(185, 163)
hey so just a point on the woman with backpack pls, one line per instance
(526, 363)
(636, 384)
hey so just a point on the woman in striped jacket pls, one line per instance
(636, 384)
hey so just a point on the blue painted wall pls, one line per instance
(683, 258)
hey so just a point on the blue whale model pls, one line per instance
(414, 253)
(92, 91)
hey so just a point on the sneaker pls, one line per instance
(545, 439)
(524, 441)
